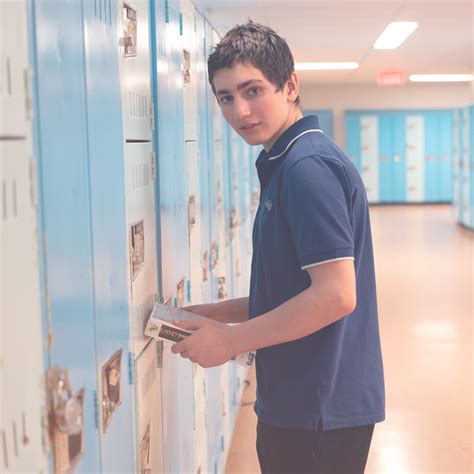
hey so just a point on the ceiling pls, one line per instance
(345, 30)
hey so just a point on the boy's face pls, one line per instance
(252, 105)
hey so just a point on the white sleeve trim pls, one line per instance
(326, 261)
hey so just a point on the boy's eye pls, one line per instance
(254, 91)
(225, 99)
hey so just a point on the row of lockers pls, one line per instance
(464, 166)
(121, 186)
(403, 156)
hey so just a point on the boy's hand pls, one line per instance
(209, 345)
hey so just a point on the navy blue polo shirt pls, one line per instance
(313, 210)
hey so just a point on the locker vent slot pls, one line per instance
(6, 80)
(162, 45)
(14, 200)
(141, 176)
(103, 11)
(149, 378)
(5, 451)
(142, 313)
(138, 105)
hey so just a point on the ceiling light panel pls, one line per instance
(329, 66)
(395, 34)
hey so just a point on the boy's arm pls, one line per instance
(331, 296)
(235, 310)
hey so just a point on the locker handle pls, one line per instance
(429, 157)
(397, 158)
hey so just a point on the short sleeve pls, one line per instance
(315, 203)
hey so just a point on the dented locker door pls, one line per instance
(149, 437)
(135, 52)
(141, 232)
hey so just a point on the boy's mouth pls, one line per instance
(248, 126)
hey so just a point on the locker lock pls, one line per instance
(67, 409)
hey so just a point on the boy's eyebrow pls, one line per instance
(240, 86)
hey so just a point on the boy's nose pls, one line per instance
(241, 109)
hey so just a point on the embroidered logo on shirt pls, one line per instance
(269, 205)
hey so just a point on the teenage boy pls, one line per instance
(312, 311)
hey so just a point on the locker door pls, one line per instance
(415, 191)
(457, 168)
(105, 112)
(466, 158)
(353, 138)
(22, 394)
(445, 156)
(369, 144)
(431, 161)
(399, 166)
(386, 158)
(177, 376)
(66, 223)
(471, 164)
(149, 439)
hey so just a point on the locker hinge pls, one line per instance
(153, 164)
(180, 24)
(130, 369)
(152, 116)
(27, 77)
(188, 287)
(96, 409)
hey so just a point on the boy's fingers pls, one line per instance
(191, 325)
(178, 347)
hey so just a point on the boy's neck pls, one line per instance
(294, 115)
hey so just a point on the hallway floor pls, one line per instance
(424, 265)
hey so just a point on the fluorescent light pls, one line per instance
(325, 66)
(395, 34)
(441, 77)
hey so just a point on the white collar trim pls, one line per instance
(292, 141)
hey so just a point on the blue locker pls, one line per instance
(398, 158)
(431, 155)
(353, 145)
(326, 120)
(109, 241)
(445, 155)
(65, 190)
(386, 167)
(471, 167)
(177, 382)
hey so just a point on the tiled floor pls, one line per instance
(424, 265)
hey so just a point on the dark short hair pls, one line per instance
(255, 44)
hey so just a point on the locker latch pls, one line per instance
(66, 420)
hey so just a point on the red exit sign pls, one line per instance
(390, 79)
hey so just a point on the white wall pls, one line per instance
(340, 98)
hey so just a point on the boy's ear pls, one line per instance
(293, 87)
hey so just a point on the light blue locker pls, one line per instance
(392, 166)
(445, 155)
(177, 382)
(109, 240)
(353, 145)
(65, 192)
(326, 120)
(431, 157)
(471, 167)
